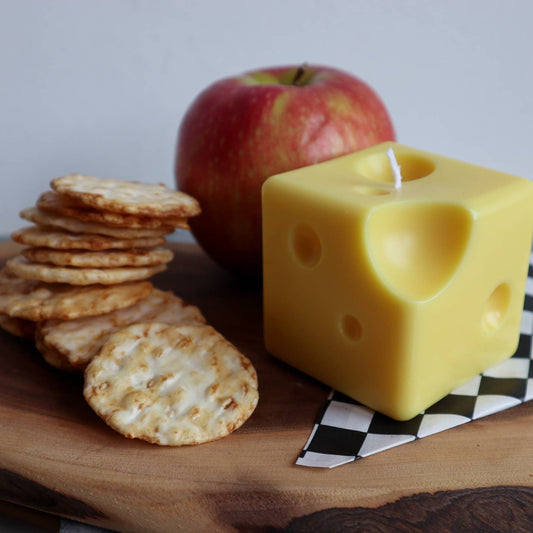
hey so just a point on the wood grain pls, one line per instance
(486, 510)
(57, 456)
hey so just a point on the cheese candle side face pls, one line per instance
(394, 297)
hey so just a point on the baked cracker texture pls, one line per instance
(99, 259)
(171, 385)
(18, 327)
(63, 205)
(20, 266)
(74, 225)
(76, 342)
(64, 240)
(37, 300)
(128, 197)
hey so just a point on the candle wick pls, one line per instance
(395, 169)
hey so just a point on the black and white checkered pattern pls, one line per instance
(347, 430)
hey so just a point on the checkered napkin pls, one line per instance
(347, 430)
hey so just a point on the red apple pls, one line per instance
(242, 130)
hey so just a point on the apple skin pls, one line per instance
(241, 130)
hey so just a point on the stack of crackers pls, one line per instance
(80, 288)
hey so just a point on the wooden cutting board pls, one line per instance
(57, 456)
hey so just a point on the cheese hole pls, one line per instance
(417, 247)
(377, 167)
(496, 307)
(306, 245)
(351, 327)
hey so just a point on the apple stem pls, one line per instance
(299, 75)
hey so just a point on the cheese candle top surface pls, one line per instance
(394, 295)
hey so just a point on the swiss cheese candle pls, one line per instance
(395, 293)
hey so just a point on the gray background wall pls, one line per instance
(99, 87)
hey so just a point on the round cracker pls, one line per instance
(171, 385)
(53, 357)
(76, 342)
(100, 259)
(18, 327)
(53, 220)
(63, 240)
(35, 300)
(21, 267)
(63, 205)
(129, 197)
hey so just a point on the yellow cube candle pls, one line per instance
(394, 293)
